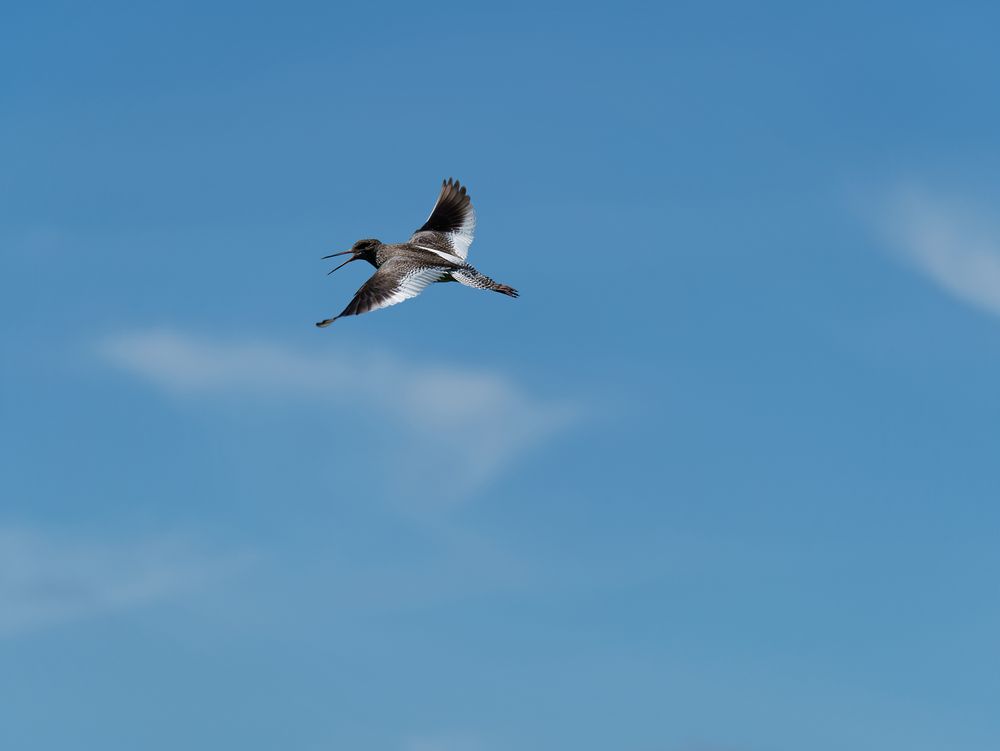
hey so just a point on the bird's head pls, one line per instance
(362, 250)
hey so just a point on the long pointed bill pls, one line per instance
(341, 253)
(354, 258)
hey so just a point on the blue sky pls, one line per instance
(724, 478)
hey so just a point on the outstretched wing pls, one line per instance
(452, 223)
(396, 280)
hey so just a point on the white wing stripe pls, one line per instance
(412, 284)
(443, 253)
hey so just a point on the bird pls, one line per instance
(434, 253)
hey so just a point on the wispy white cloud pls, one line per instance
(477, 422)
(50, 578)
(449, 742)
(950, 242)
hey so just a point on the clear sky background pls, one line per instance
(724, 478)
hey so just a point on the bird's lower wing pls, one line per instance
(392, 283)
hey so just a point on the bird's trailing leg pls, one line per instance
(323, 324)
(503, 289)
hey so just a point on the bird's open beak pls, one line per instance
(341, 253)
(352, 258)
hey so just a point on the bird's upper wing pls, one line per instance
(452, 222)
(396, 280)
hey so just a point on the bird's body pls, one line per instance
(435, 253)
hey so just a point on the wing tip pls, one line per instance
(451, 184)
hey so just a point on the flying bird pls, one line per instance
(435, 253)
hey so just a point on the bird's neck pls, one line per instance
(382, 254)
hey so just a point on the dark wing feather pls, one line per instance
(452, 222)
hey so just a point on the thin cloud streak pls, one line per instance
(451, 742)
(951, 244)
(479, 421)
(47, 579)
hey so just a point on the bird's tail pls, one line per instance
(468, 276)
